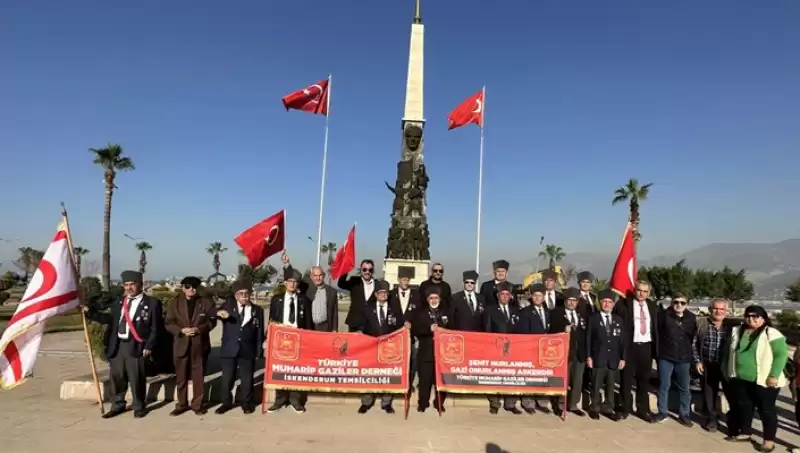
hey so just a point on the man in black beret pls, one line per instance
(569, 319)
(468, 305)
(189, 319)
(242, 343)
(132, 333)
(503, 318)
(426, 320)
(409, 300)
(380, 318)
(489, 288)
(552, 298)
(292, 308)
(588, 301)
(606, 347)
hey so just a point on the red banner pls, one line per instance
(493, 363)
(336, 362)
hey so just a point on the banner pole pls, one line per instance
(86, 339)
(480, 185)
(324, 169)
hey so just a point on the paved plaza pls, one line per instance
(34, 420)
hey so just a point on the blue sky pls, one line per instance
(700, 98)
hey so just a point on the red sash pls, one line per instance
(126, 314)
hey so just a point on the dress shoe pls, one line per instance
(421, 409)
(388, 409)
(298, 409)
(711, 427)
(557, 412)
(614, 417)
(223, 408)
(739, 438)
(577, 412)
(275, 407)
(685, 421)
(248, 409)
(113, 412)
(363, 409)
(657, 419)
(513, 410)
(493, 410)
(645, 416)
(543, 408)
(529, 410)
(594, 415)
(178, 411)
(201, 411)
(139, 414)
(622, 415)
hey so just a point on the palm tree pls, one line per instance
(79, 252)
(112, 160)
(143, 247)
(553, 254)
(329, 248)
(28, 260)
(215, 248)
(635, 194)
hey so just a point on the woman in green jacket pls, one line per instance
(754, 363)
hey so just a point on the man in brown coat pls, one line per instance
(189, 320)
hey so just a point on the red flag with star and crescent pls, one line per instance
(345, 259)
(312, 99)
(468, 112)
(623, 277)
(263, 239)
(52, 291)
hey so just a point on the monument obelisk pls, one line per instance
(408, 244)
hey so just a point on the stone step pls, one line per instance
(162, 388)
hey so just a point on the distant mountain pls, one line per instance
(771, 267)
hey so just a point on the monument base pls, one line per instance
(391, 267)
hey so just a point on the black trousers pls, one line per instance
(126, 368)
(412, 373)
(575, 371)
(427, 379)
(710, 381)
(638, 369)
(748, 397)
(244, 369)
(606, 379)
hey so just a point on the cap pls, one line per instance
(470, 275)
(585, 275)
(500, 264)
(131, 276)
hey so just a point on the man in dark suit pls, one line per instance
(324, 299)
(290, 309)
(409, 300)
(606, 350)
(552, 297)
(469, 306)
(503, 318)
(588, 301)
(426, 320)
(489, 288)
(535, 319)
(361, 289)
(436, 279)
(569, 319)
(242, 343)
(130, 337)
(639, 322)
(380, 318)
(189, 319)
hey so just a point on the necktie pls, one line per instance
(403, 294)
(241, 315)
(572, 319)
(541, 316)
(607, 323)
(382, 318)
(505, 312)
(642, 319)
(291, 310)
(550, 302)
(471, 302)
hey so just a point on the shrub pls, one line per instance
(788, 318)
(4, 296)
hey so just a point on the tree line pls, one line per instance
(697, 283)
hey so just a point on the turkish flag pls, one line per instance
(263, 239)
(313, 99)
(623, 278)
(468, 112)
(345, 259)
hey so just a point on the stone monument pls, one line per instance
(408, 244)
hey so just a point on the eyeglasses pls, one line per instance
(469, 282)
(189, 287)
(438, 271)
(679, 302)
(752, 316)
(366, 269)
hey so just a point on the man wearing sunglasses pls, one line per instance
(361, 290)
(677, 328)
(436, 280)
(469, 306)
(190, 319)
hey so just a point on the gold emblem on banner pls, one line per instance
(451, 348)
(286, 346)
(390, 350)
(552, 352)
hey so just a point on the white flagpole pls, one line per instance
(480, 183)
(324, 169)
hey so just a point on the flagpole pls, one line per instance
(539, 255)
(324, 168)
(83, 314)
(480, 184)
